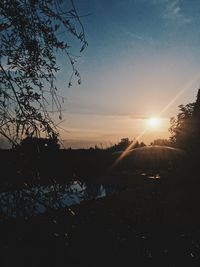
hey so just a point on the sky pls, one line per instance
(142, 61)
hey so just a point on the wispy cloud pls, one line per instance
(171, 10)
(146, 39)
(137, 117)
(174, 12)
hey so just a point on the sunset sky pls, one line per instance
(143, 60)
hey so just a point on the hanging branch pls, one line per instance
(29, 41)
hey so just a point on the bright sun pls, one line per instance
(154, 122)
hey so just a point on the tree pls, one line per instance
(35, 145)
(185, 128)
(124, 144)
(31, 33)
(161, 142)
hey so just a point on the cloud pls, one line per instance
(135, 117)
(148, 39)
(174, 12)
(170, 10)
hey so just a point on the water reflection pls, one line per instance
(29, 201)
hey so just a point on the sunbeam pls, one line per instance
(154, 121)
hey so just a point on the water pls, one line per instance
(29, 201)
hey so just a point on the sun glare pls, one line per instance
(153, 122)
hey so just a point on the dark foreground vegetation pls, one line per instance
(147, 222)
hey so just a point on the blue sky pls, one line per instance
(141, 54)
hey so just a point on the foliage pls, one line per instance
(35, 145)
(161, 142)
(124, 144)
(185, 128)
(31, 33)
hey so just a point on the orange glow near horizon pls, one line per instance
(154, 122)
(125, 152)
(134, 127)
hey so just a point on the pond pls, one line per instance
(29, 201)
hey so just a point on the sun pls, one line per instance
(154, 122)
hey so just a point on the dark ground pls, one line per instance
(154, 222)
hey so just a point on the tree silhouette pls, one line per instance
(124, 143)
(31, 33)
(161, 142)
(185, 128)
(38, 145)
